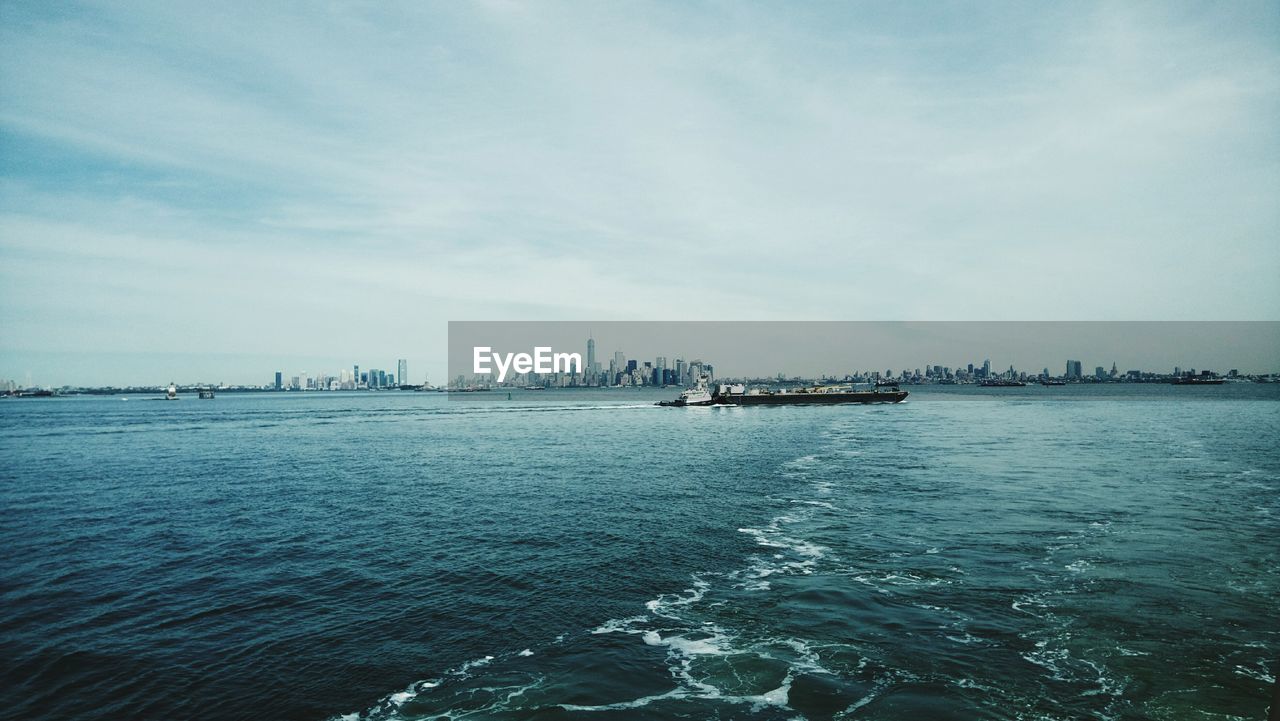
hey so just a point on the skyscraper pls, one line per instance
(1074, 369)
(279, 380)
(402, 371)
(591, 355)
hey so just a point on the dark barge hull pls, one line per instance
(796, 399)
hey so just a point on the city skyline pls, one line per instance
(817, 348)
(763, 349)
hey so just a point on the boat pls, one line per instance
(994, 383)
(1197, 381)
(1052, 383)
(206, 394)
(535, 388)
(172, 393)
(736, 395)
(695, 396)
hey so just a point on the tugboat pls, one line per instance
(172, 393)
(695, 396)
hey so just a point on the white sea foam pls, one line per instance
(641, 702)
(875, 690)
(619, 625)
(473, 664)
(718, 643)
(1258, 674)
(666, 604)
(821, 504)
(801, 463)
(809, 660)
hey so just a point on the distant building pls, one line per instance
(279, 380)
(1074, 369)
(1100, 373)
(402, 371)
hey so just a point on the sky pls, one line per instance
(197, 191)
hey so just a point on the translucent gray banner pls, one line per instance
(497, 359)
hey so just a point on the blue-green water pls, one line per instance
(1045, 554)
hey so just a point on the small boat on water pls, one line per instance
(696, 396)
(1052, 383)
(172, 393)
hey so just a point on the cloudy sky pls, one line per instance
(218, 190)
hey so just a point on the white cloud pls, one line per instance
(330, 171)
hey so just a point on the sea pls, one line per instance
(1079, 552)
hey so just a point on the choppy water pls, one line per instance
(588, 556)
